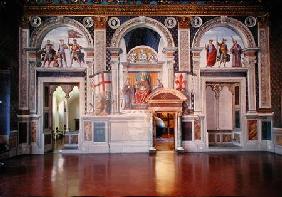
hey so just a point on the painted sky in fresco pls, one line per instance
(217, 34)
(62, 33)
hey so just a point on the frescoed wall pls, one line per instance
(222, 48)
(63, 47)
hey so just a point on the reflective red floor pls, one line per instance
(166, 173)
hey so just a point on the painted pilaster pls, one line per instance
(31, 53)
(23, 66)
(115, 66)
(250, 63)
(99, 43)
(196, 79)
(264, 64)
(184, 43)
(89, 72)
(169, 53)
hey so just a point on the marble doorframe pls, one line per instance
(40, 102)
(242, 82)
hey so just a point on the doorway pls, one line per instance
(61, 112)
(164, 131)
(223, 109)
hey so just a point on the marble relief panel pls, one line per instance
(252, 129)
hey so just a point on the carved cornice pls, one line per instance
(148, 10)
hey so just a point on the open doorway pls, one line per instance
(61, 113)
(223, 111)
(165, 131)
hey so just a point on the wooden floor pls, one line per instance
(166, 173)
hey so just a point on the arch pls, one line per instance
(52, 23)
(142, 21)
(233, 24)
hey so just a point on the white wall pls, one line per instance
(225, 109)
(211, 113)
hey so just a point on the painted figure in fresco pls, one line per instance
(223, 52)
(76, 54)
(48, 52)
(61, 52)
(143, 56)
(159, 84)
(127, 94)
(236, 51)
(143, 89)
(211, 54)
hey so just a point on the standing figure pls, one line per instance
(49, 53)
(76, 54)
(61, 52)
(160, 84)
(236, 51)
(127, 95)
(223, 53)
(211, 54)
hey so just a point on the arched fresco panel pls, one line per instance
(63, 47)
(222, 48)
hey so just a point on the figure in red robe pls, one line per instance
(211, 54)
(143, 89)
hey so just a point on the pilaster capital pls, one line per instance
(24, 24)
(196, 51)
(184, 22)
(250, 51)
(169, 51)
(100, 22)
(250, 58)
(115, 52)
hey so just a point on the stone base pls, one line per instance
(180, 150)
(152, 150)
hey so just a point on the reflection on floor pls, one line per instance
(165, 142)
(58, 144)
(165, 174)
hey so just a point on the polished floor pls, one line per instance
(163, 174)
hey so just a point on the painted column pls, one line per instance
(184, 43)
(100, 44)
(264, 63)
(23, 66)
(67, 97)
(250, 61)
(196, 79)
(216, 88)
(151, 133)
(67, 89)
(169, 53)
(179, 133)
(115, 64)
(89, 72)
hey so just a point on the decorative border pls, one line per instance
(149, 10)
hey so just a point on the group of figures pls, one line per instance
(222, 53)
(137, 93)
(142, 56)
(49, 54)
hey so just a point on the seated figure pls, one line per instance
(142, 89)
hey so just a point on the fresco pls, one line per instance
(222, 48)
(63, 47)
